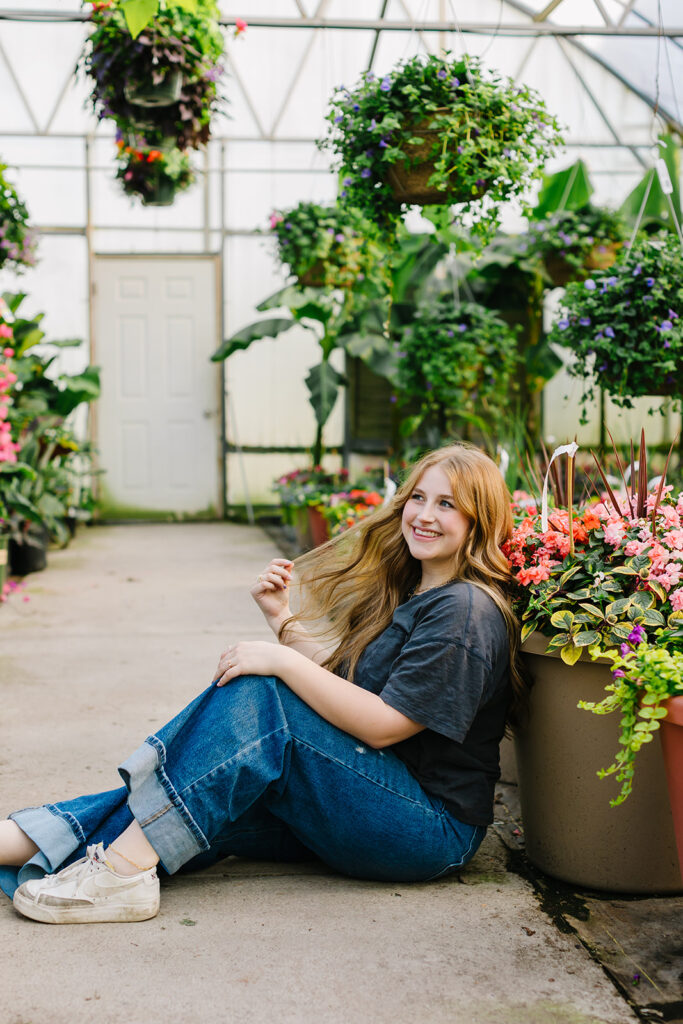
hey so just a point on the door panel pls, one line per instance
(158, 422)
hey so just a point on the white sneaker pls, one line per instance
(89, 891)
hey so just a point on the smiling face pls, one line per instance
(433, 528)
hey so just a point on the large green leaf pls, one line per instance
(566, 190)
(291, 296)
(323, 383)
(138, 14)
(67, 342)
(656, 210)
(77, 388)
(375, 350)
(252, 332)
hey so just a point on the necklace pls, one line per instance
(414, 591)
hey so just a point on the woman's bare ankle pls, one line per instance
(15, 846)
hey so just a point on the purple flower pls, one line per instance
(401, 355)
(289, 225)
(355, 107)
(450, 334)
(589, 284)
(609, 332)
(383, 144)
(392, 399)
(454, 83)
(344, 193)
(347, 181)
(637, 635)
(462, 328)
(339, 237)
(637, 270)
(429, 385)
(385, 85)
(649, 281)
(461, 149)
(507, 152)
(667, 344)
(585, 321)
(373, 125)
(441, 74)
(602, 368)
(667, 325)
(647, 298)
(330, 231)
(480, 183)
(366, 172)
(562, 325)
(624, 649)
(612, 281)
(618, 673)
(339, 118)
(674, 316)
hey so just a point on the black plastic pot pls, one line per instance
(145, 94)
(30, 556)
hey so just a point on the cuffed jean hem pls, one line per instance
(57, 834)
(158, 809)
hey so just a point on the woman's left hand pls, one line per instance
(249, 658)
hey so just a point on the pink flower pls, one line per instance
(614, 533)
(240, 26)
(674, 539)
(677, 600)
(536, 574)
(275, 219)
(8, 352)
(635, 547)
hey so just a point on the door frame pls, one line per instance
(216, 258)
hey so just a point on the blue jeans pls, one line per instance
(250, 769)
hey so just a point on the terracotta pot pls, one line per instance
(410, 184)
(561, 271)
(671, 733)
(320, 532)
(602, 256)
(571, 831)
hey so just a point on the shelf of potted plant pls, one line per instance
(624, 325)
(595, 581)
(437, 130)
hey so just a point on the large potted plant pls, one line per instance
(17, 240)
(437, 130)
(590, 580)
(624, 325)
(457, 360)
(180, 50)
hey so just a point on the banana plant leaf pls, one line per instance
(323, 383)
(656, 212)
(566, 190)
(77, 388)
(291, 296)
(376, 351)
(252, 332)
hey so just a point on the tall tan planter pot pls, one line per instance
(571, 832)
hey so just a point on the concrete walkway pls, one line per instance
(124, 628)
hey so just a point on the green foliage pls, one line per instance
(330, 247)
(643, 678)
(569, 189)
(148, 172)
(578, 241)
(491, 136)
(624, 325)
(457, 359)
(183, 38)
(655, 215)
(17, 240)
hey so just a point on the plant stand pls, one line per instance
(671, 734)
(571, 831)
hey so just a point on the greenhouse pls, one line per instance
(385, 296)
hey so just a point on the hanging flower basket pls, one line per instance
(575, 243)
(17, 240)
(153, 175)
(474, 133)
(561, 271)
(625, 325)
(161, 193)
(330, 247)
(149, 94)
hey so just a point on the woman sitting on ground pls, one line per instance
(379, 758)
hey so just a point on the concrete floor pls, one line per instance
(123, 628)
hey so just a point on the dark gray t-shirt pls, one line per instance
(443, 662)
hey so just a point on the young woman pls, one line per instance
(371, 744)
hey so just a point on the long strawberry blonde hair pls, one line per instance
(351, 586)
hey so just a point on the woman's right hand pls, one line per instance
(271, 591)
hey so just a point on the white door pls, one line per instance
(158, 419)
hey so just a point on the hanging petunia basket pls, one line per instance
(436, 130)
